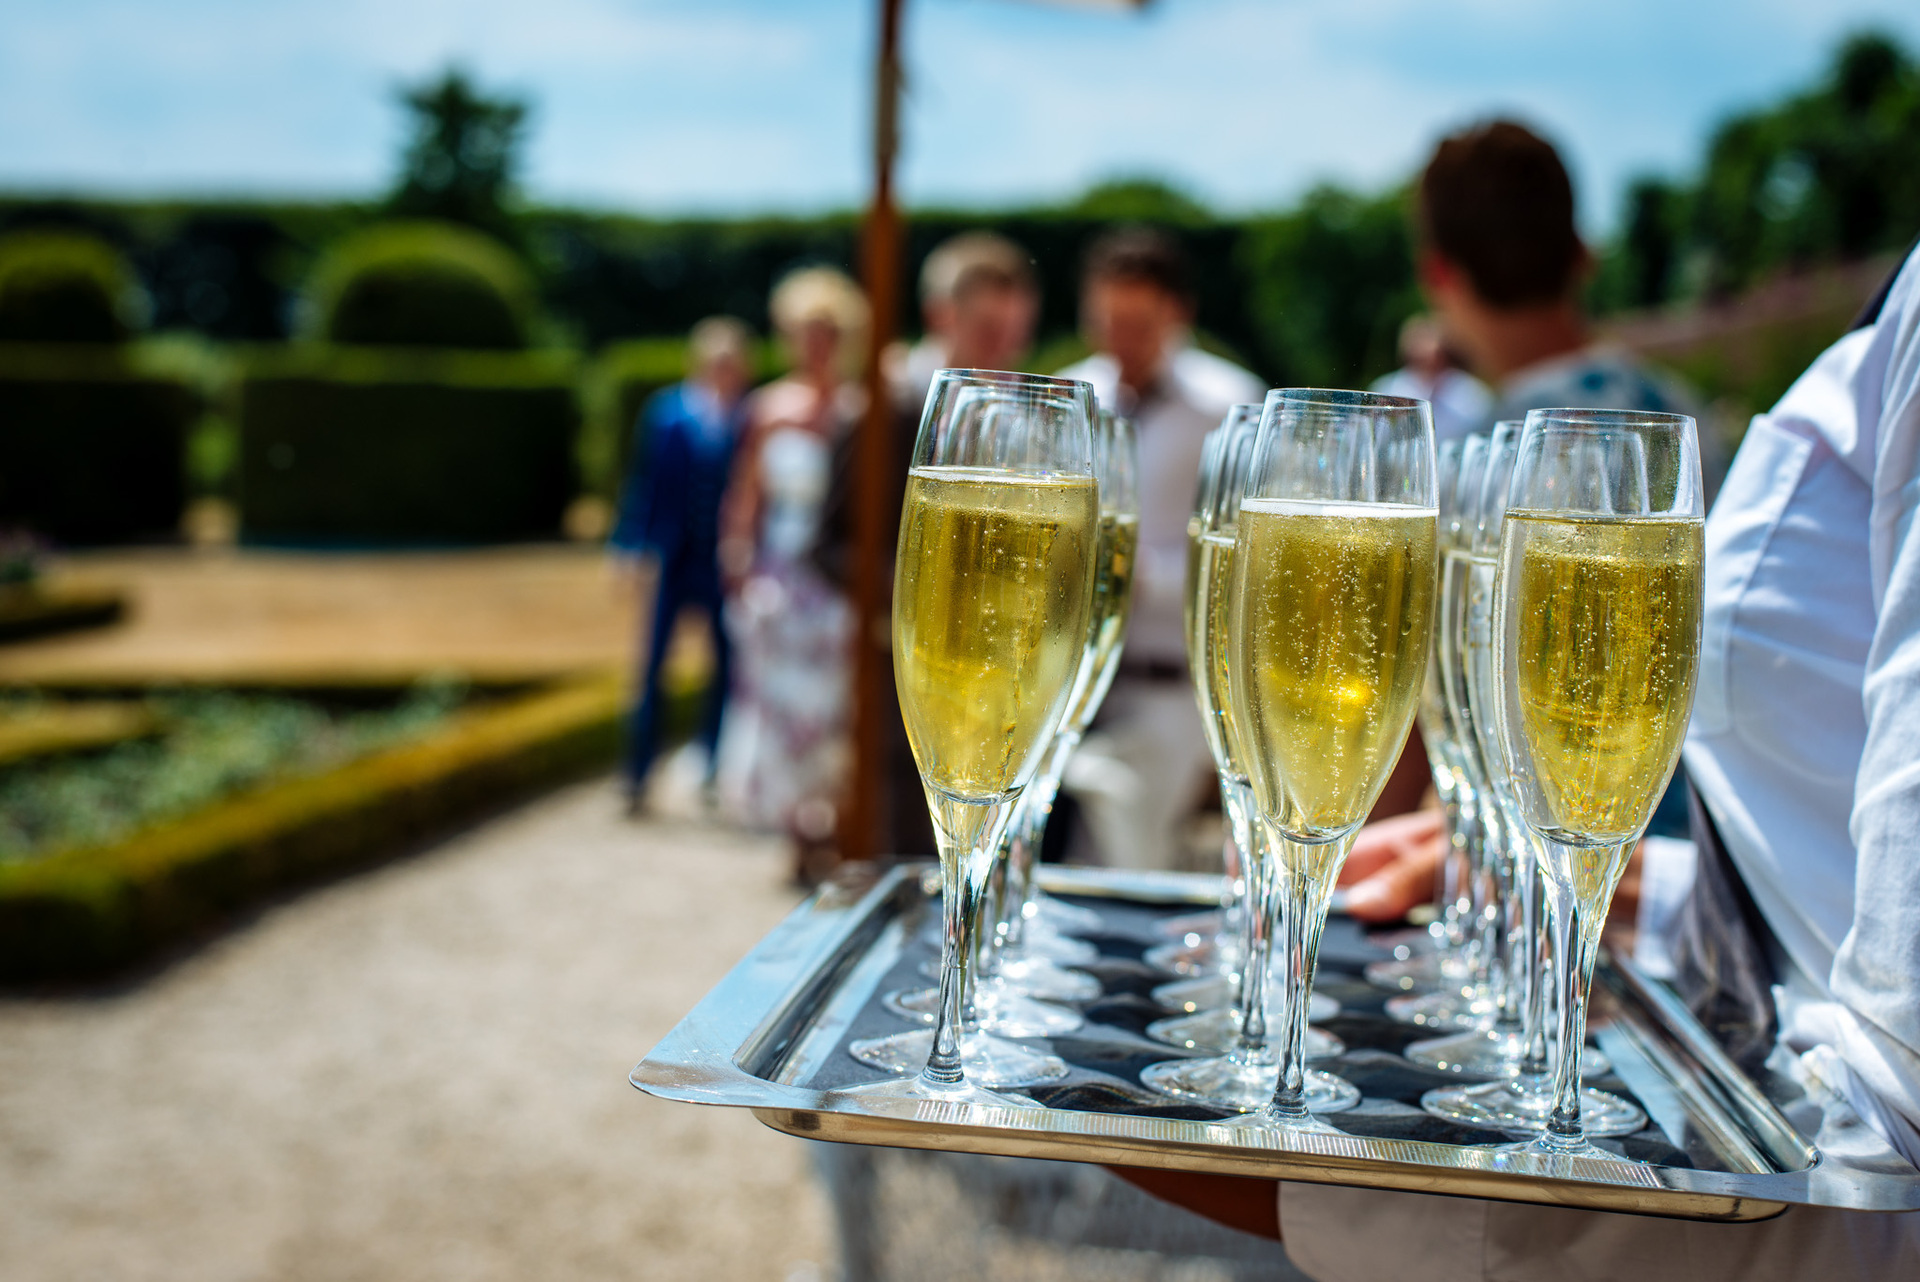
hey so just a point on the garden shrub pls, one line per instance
(92, 449)
(87, 911)
(60, 286)
(422, 284)
(364, 446)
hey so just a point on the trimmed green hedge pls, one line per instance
(371, 445)
(87, 912)
(92, 449)
(422, 284)
(59, 286)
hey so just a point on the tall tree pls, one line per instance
(460, 163)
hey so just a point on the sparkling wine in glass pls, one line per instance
(992, 594)
(1597, 644)
(1333, 591)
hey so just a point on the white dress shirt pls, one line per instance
(1461, 403)
(1193, 394)
(1805, 742)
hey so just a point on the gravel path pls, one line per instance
(418, 1073)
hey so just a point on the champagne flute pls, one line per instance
(1334, 581)
(1441, 957)
(1015, 980)
(1205, 943)
(1597, 643)
(992, 594)
(1462, 996)
(1514, 1048)
(1116, 465)
(1236, 1024)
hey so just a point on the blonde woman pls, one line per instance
(784, 753)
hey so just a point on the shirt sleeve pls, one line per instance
(1877, 970)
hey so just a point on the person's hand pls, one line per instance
(1392, 866)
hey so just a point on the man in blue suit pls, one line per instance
(670, 515)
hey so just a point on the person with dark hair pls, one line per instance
(1502, 264)
(1141, 770)
(670, 515)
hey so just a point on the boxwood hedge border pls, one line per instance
(88, 912)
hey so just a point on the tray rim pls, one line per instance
(759, 1009)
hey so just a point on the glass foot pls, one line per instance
(1207, 956)
(1068, 919)
(1487, 1052)
(1448, 1011)
(1566, 1160)
(989, 1061)
(1062, 950)
(1202, 925)
(1418, 973)
(1000, 1011)
(1212, 992)
(1038, 977)
(920, 1089)
(1203, 992)
(1266, 1120)
(1517, 1105)
(1220, 1082)
(1217, 1030)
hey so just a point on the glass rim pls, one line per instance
(1014, 379)
(1345, 398)
(1578, 417)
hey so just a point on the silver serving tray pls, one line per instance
(770, 1024)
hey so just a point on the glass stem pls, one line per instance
(1509, 934)
(1446, 878)
(1029, 827)
(1236, 801)
(1533, 960)
(968, 834)
(1493, 853)
(1258, 909)
(1465, 844)
(1303, 903)
(1576, 941)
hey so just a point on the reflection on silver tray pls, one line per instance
(765, 1032)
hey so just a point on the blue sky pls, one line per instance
(761, 105)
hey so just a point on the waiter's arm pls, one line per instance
(1877, 970)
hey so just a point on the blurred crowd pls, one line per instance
(740, 497)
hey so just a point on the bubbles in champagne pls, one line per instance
(1603, 625)
(1332, 620)
(992, 599)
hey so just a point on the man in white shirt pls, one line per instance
(1147, 762)
(1460, 401)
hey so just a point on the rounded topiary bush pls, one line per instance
(422, 284)
(62, 287)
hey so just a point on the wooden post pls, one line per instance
(873, 523)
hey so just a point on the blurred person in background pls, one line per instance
(1432, 373)
(1503, 267)
(783, 748)
(670, 516)
(979, 298)
(1145, 766)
